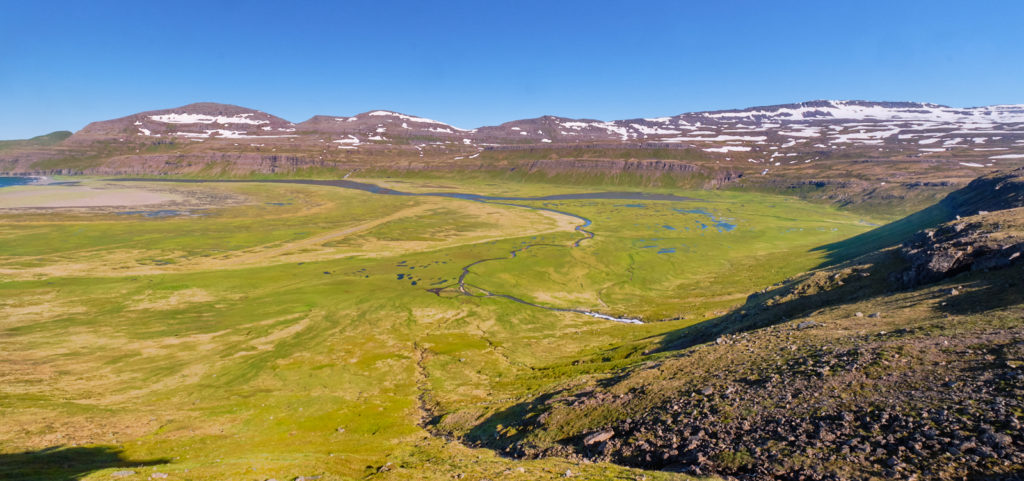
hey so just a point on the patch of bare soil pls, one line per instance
(101, 196)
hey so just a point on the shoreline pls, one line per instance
(31, 179)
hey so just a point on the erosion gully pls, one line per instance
(462, 286)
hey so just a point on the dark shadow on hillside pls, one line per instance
(793, 299)
(982, 291)
(994, 192)
(66, 463)
(485, 433)
(887, 235)
(985, 294)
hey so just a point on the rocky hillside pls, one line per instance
(904, 363)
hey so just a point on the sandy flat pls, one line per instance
(52, 196)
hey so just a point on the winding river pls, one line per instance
(461, 285)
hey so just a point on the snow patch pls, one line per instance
(351, 139)
(207, 119)
(410, 118)
(728, 148)
(720, 138)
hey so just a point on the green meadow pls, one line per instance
(271, 331)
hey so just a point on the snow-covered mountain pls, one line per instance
(768, 137)
(195, 122)
(827, 123)
(836, 139)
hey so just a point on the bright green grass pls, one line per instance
(669, 259)
(280, 369)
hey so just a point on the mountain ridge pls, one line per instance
(768, 107)
(204, 120)
(838, 150)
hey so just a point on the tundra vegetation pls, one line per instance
(272, 331)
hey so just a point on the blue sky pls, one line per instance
(472, 63)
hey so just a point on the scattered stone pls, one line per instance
(568, 473)
(599, 437)
(307, 478)
(996, 440)
(158, 475)
(807, 325)
(717, 432)
(859, 314)
(874, 315)
(122, 474)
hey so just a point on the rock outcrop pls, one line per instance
(936, 254)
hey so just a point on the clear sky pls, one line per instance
(471, 63)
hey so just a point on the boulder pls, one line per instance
(598, 437)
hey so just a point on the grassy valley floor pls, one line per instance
(256, 331)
